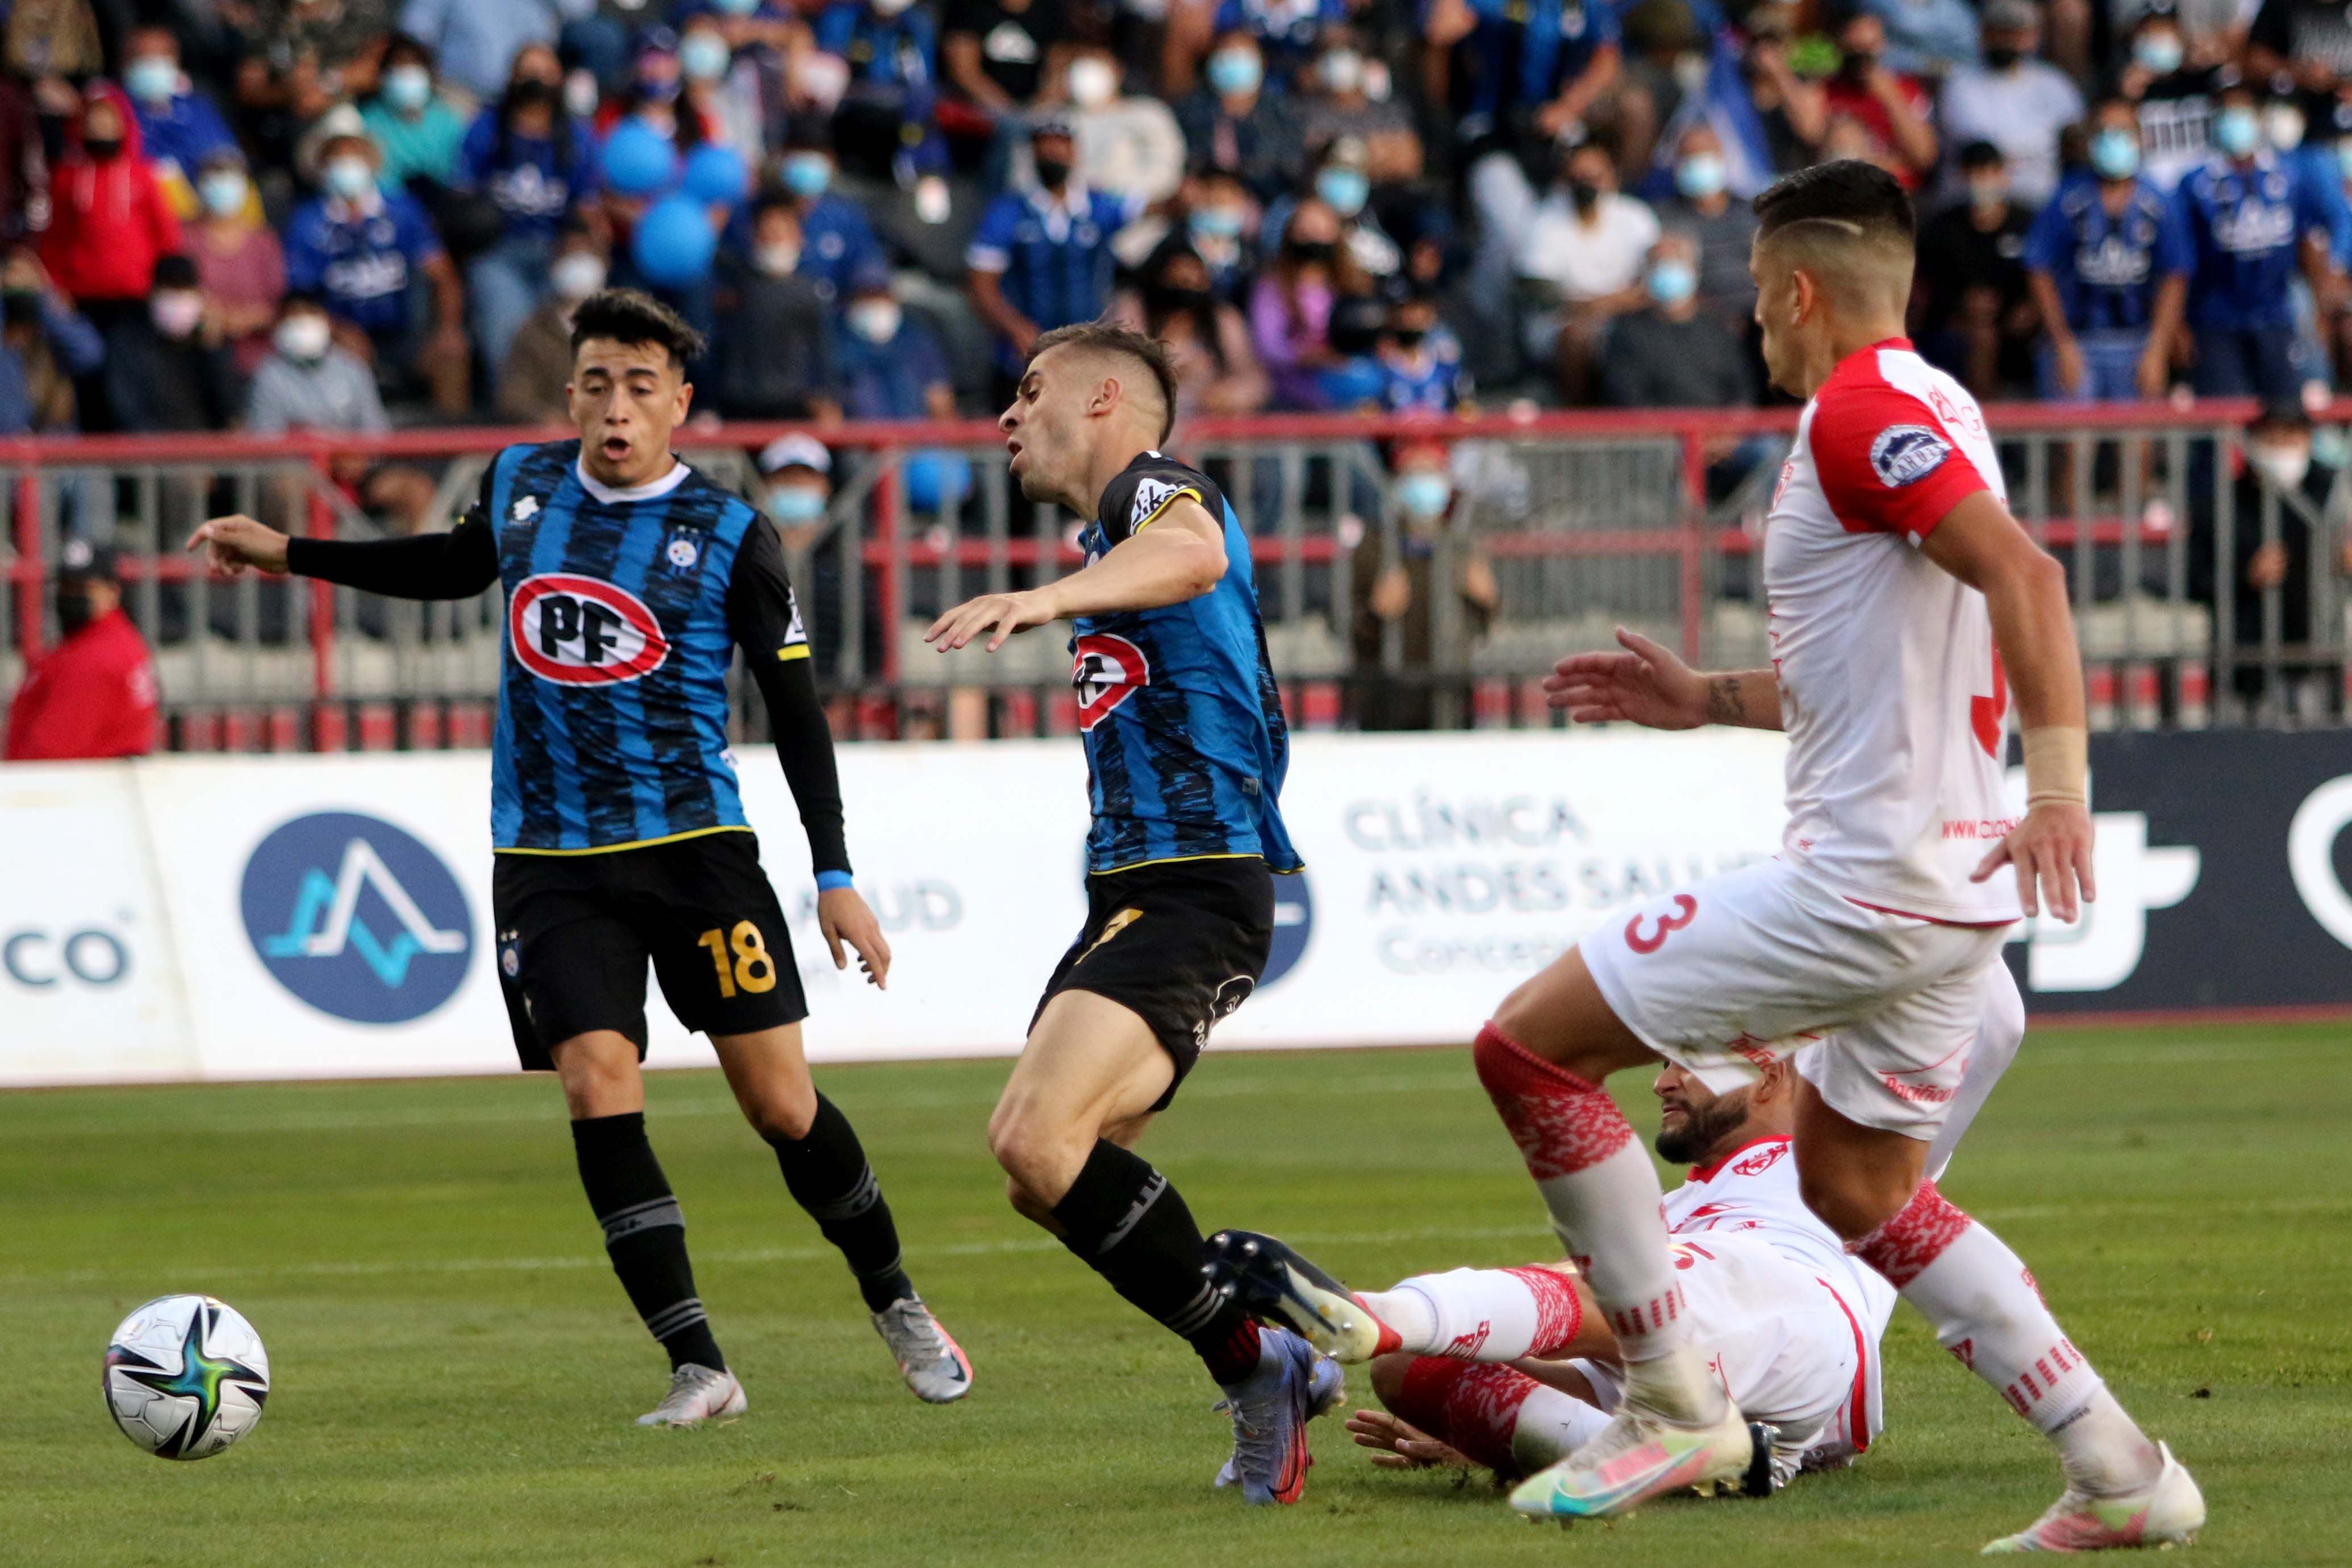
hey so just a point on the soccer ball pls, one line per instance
(185, 1376)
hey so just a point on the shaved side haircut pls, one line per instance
(1106, 337)
(1847, 225)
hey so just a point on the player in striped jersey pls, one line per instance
(630, 580)
(1185, 754)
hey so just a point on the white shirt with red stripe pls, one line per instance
(1891, 694)
(1753, 1191)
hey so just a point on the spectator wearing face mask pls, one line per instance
(534, 164)
(2308, 42)
(1419, 362)
(1208, 339)
(93, 695)
(539, 361)
(2268, 581)
(891, 367)
(1581, 264)
(1127, 144)
(1976, 314)
(303, 57)
(475, 41)
(240, 264)
(719, 88)
(1219, 218)
(796, 472)
(1286, 32)
(179, 126)
(310, 382)
(2252, 227)
(884, 126)
(1295, 300)
(109, 218)
(2109, 272)
(2173, 94)
(1234, 124)
(773, 355)
(365, 251)
(1347, 93)
(1669, 353)
(171, 372)
(1891, 110)
(1724, 228)
(837, 243)
(2013, 100)
(1339, 180)
(1400, 638)
(1042, 259)
(412, 123)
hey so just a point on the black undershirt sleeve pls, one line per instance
(457, 564)
(766, 627)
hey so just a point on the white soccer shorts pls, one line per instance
(1764, 960)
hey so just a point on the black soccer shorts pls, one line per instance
(1180, 944)
(575, 931)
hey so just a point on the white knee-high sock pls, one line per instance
(1482, 1315)
(1551, 1427)
(1988, 1313)
(1603, 1195)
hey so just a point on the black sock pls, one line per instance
(1125, 1223)
(644, 1235)
(827, 1175)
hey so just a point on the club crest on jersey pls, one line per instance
(583, 631)
(524, 510)
(1107, 672)
(1761, 1160)
(1904, 453)
(681, 553)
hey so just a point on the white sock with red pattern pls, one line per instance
(1482, 1315)
(1602, 1192)
(1988, 1313)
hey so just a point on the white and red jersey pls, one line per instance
(1752, 1192)
(1891, 697)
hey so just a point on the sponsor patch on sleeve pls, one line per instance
(1905, 453)
(1152, 497)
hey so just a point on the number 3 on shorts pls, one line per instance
(1685, 911)
(753, 969)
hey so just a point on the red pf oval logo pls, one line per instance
(583, 631)
(1107, 671)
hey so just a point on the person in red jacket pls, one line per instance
(93, 695)
(109, 218)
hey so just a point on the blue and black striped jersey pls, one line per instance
(1185, 742)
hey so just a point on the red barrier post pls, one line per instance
(30, 566)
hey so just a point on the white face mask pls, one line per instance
(777, 261)
(891, 7)
(577, 276)
(876, 321)
(177, 312)
(1093, 82)
(302, 337)
(2285, 467)
(1343, 70)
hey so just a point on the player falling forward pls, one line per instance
(1185, 753)
(1513, 1369)
(1899, 590)
(620, 835)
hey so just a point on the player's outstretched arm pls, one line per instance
(2034, 634)
(1180, 556)
(1646, 684)
(457, 564)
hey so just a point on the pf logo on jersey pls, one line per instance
(583, 631)
(1904, 453)
(1107, 671)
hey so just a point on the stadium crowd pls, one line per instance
(349, 213)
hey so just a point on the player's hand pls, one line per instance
(842, 916)
(233, 543)
(1399, 1445)
(1006, 613)
(1643, 685)
(2052, 851)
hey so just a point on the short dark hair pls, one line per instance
(1980, 155)
(1844, 190)
(631, 316)
(1111, 338)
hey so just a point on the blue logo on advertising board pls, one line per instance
(357, 918)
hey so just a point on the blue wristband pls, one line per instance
(833, 881)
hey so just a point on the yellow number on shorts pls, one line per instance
(754, 970)
(716, 941)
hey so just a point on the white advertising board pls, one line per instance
(329, 915)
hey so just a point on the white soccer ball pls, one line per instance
(185, 1376)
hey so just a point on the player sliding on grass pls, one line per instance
(620, 835)
(1899, 589)
(1185, 752)
(1516, 1368)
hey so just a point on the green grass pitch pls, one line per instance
(457, 1369)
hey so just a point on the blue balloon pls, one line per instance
(674, 243)
(637, 160)
(716, 176)
(936, 479)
